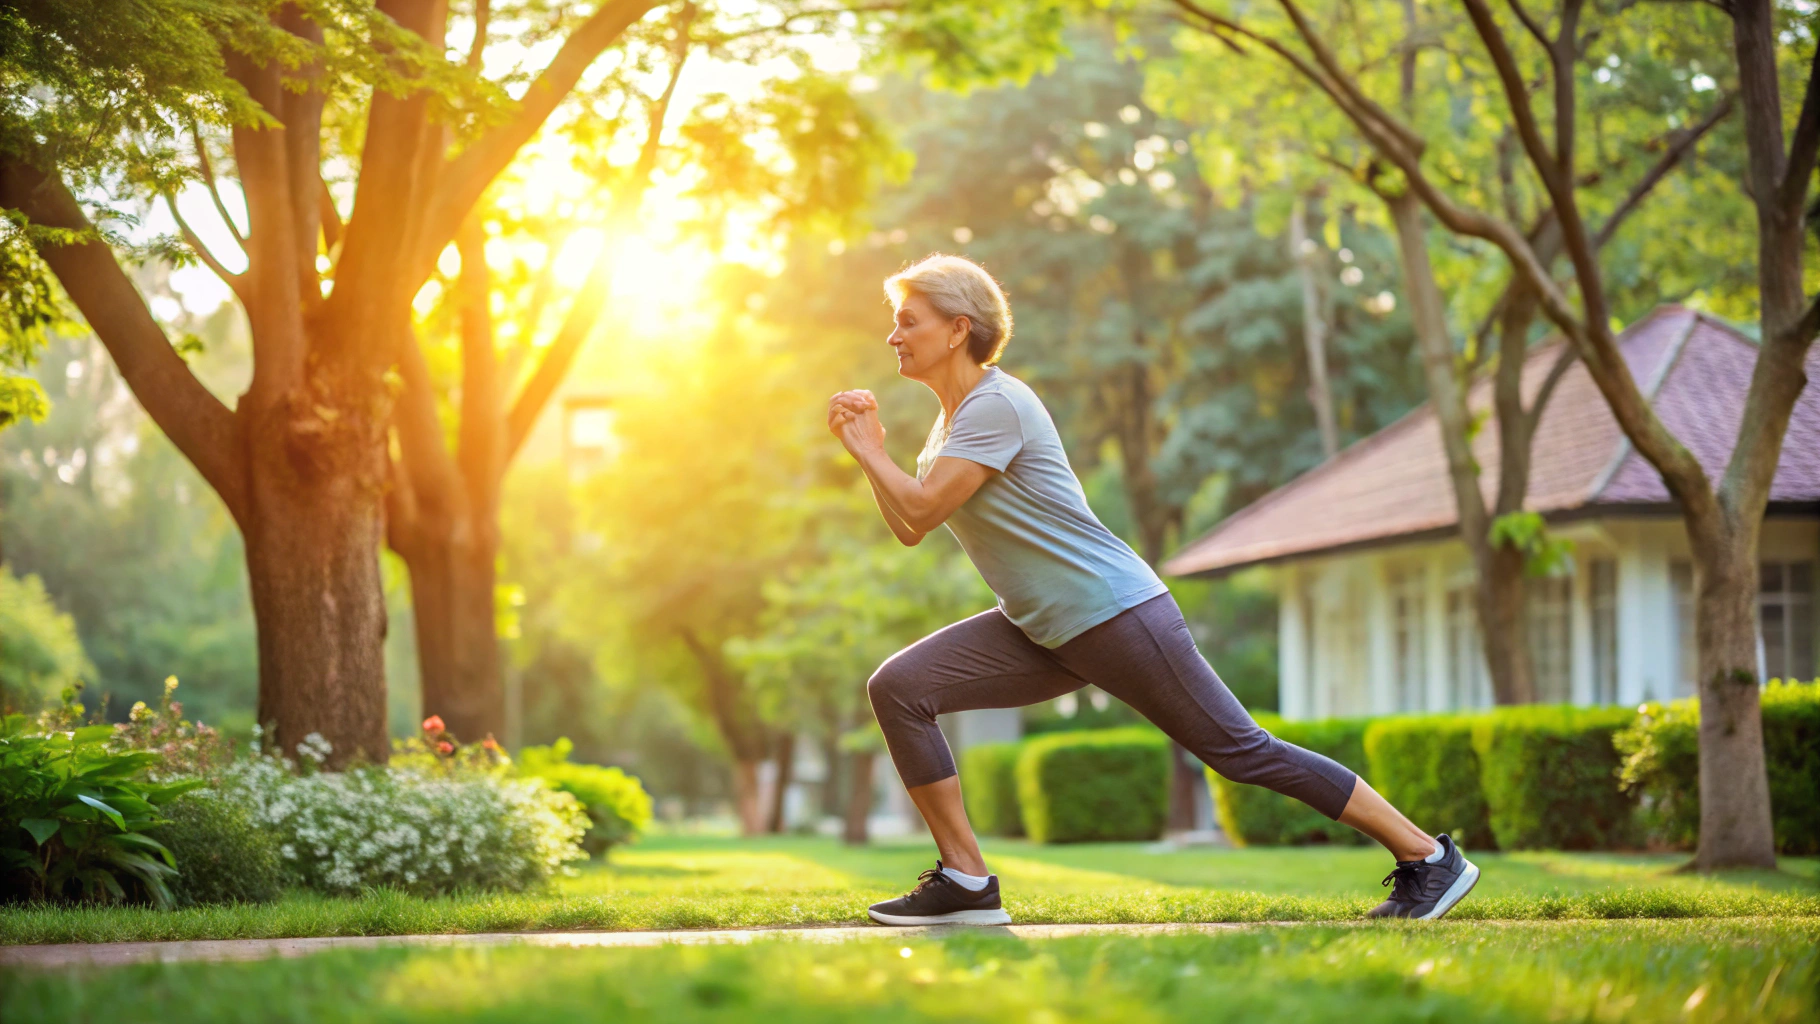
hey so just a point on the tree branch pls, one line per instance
(208, 178)
(1534, 26)
(1679, 146)
(236, 282)
(1804, 145)
(467, 175)
(202, 428)
(584, 313)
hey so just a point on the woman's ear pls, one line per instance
(958, 331)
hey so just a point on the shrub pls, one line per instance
(989, 787)
(74, 817)
(618, 806)
(184, 748)
(1426, 766)
(1550, 777)
(223, 854)
(1255, 816)
(1094, 785)
(1661, 763)
(40, 653)
(422, 830)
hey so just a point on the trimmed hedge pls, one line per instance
(989, 788)
(1550, 777)
(1254, 816)
(1661, 751)
(1427, 767)
(223, 854)
(1094, 785)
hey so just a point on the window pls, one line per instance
(1786, 607)
(1467, 685)
(1604, 583)
(1549, 610)
(1687, 650)
(1410, 641)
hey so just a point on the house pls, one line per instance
(1376, 609)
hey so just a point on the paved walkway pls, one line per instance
(114, 954)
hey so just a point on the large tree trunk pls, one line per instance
(312, 542)
(1735, 826)
(1503, 615)
(859, 799)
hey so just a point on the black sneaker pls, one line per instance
(938, 899)
(1426, 891)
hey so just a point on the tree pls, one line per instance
(1270, 111)
(300, 460)
(1723, 521)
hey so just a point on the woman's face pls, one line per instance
(924, 339)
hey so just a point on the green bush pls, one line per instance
(1255, 816)
(1661, 763)
(989, 787)
(1550, 776)
(74, 817)
(1426, 766)
(1102, 785)
(40, 653)
(618, 806)
(223, 855)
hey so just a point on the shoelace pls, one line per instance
(1404, 878)
(929, 878)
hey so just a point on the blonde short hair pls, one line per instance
(959, 287)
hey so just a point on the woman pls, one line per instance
(1076, 607)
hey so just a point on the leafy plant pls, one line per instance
(1661, 752)
(425, 829)
(74, 816)
(184, 748)
(618, 806)
(223, 854)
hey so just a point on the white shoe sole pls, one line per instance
(977, 917)
(1455, 892)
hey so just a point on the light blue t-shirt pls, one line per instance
(1056, 569)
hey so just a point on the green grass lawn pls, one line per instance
(1691, 970)
(697, 882)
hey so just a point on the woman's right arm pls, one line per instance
(839, 413)
(901, 530)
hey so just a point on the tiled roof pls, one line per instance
(1394, 485)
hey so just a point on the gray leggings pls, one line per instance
(1144, 656)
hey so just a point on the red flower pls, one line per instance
(490, 743)
(446, 747)
(433, 724)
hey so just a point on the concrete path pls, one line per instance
(114, 954)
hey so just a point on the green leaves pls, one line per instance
(84, 810)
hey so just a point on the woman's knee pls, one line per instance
(889, 689)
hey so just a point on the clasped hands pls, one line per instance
(853, 417)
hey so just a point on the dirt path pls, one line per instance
(114, 954)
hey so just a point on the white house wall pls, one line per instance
(1321, 674)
